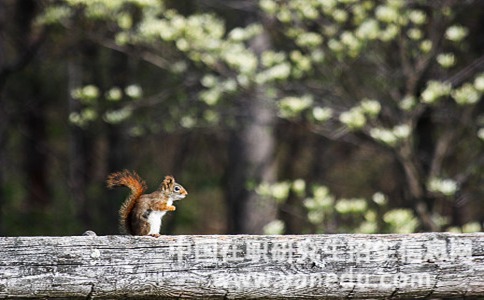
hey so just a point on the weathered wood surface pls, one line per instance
(305, 266)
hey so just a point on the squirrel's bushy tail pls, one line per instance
(137, 186)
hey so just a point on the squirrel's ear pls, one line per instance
(168, 183)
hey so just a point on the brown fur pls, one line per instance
(135, 210)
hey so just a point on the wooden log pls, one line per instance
(242, 266)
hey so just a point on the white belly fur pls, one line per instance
(155, 219)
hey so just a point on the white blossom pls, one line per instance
(386, 14)
(370, 107)
(368, 227)
(322, 114)
(317, 56)
(211, 116)
(209, 81)
(240, 59)
(299, 186)
(90, 91)
(316, 216)
(445, 186)
(114, 94)
(301, 61)
(402, 220)
(322, 198)
(426, 46)
(89, 114)
(390, 32)
(274, 227)
(345, 206)
(117, 116)
(125, 21)
(415, 33)
(133, 91)
(270, 6)
(417, 16)
(349, 39)
(278, 72)
(308, 10)
(340, 15)
(434, 91)
(392, 136)
(237, 34)
(446, 60)
(479, 83)
(87, 94)
(291, 106)
(466, 94)
(309, 39)
(407, 103)
(211, 96)
(402, 131)
(456, 33)
(335, 45)
(368, 30)
(379, 198)
(75, 118)
(384, 135)
(480, 133)
(472, 227)
(187, 122)
(271, 58)
(354, 118)
(284, 15)
(280, 190)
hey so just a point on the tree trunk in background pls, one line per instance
(34, 119)
(16, 53)
(291, 212)
(77, 145)
(3, 115)
(251, 157)
(117, 136)
(415, 188)
(118, 146)
(35, 151)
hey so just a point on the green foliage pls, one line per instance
(317, 33)
(357, 71)
(355, 215)
(346, 30)
(89, 97)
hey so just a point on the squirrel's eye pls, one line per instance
(176, 189)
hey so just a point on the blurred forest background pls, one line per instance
(290, 116)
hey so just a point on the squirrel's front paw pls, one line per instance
(155, 235)
(171, 208)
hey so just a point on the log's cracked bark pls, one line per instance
(243, 266)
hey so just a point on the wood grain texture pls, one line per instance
(429, 265)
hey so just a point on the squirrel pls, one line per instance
(141, 213)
